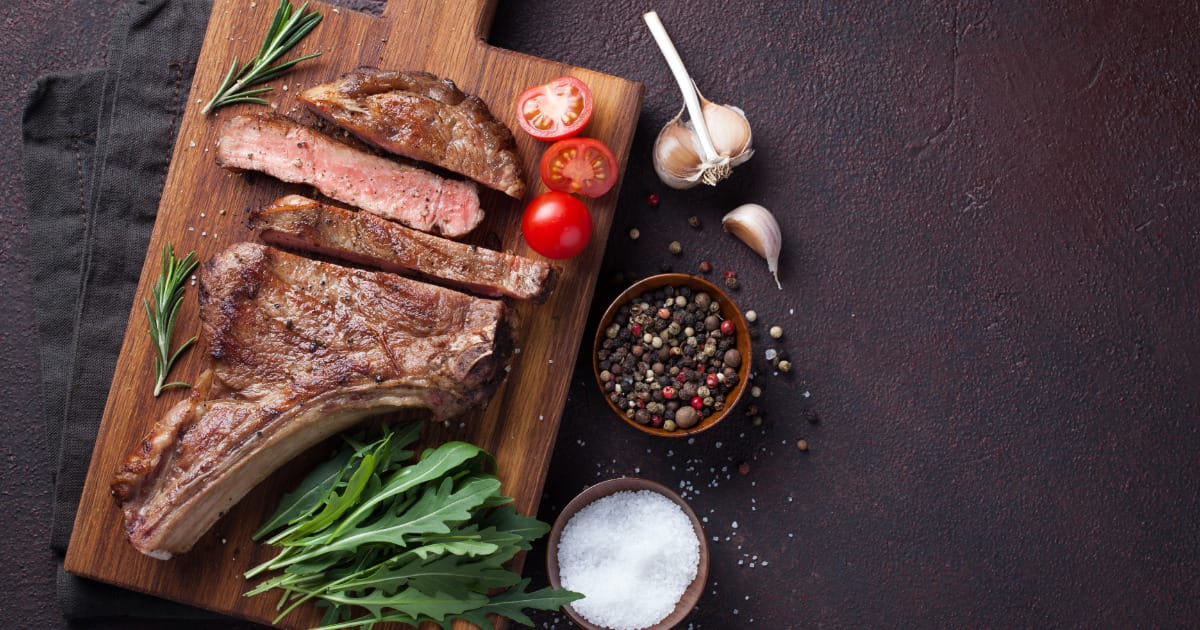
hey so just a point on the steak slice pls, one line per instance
(426, 118)
(300, 350)
(361, 237)
(297, 154)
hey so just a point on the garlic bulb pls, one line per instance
(679, 154)
(713, 140)
(757, 227)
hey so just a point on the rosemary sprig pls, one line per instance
(168, 294)
(288, 27)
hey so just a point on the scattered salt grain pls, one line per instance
(632, 555)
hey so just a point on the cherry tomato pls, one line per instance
(579, 165)
(557, 225)
(556, 110)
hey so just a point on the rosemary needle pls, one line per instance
(168, 294)
(288, 27)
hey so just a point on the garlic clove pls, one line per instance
(730, 131)
(757, 227)
(677, 156)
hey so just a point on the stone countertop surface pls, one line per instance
(990, 300)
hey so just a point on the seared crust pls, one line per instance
(300, 350)
(423, 117)
(360, 237)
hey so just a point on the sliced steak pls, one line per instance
(300, 223)
(300, 351)
(423, 117)
(287, 150)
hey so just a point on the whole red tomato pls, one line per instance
(557, 225)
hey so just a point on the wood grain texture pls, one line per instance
(204, 208)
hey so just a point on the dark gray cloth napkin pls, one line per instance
(97, 145)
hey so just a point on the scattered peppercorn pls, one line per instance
(756, 391)
(731, 282)
(802, 444)
(757, 421)
(652, 200)
(751, 316)
(785, 366)
(776, 332)
(675, 248)
(705, 266)
(694, 221)
(743, 468)
(728, 273)
(634, 233)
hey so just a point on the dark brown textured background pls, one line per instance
(990, 300)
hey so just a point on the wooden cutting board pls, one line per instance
(203, 208)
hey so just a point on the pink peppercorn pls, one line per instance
(668, 392)
(727, 327)
(697, 403)
(711, 381)
(656, 420)
(636, 329)
(681, 377)
(664, 313)
(652, 200)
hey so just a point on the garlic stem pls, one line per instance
(691, 96)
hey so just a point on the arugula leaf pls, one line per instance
(433, 465)
(306, 498)
(412, 602)
(468, 541)
(528, 528)
(338, 504)
(447, 574)
(513, 603)
(434, 512)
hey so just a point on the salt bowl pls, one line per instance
(635, 549)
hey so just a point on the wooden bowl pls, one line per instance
(729, 310)
(691, 594)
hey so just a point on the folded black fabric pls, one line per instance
(97, 145)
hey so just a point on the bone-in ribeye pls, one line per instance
(361, 237)
(423, 117)
(297, 154)
(300, 350)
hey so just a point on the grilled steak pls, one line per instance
(287, 150)
(364, 238)
(423, 117)
(300, 351)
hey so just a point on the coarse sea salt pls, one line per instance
(632, 555)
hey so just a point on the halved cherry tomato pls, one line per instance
(556, 110)
(579, 165)
(557, 225)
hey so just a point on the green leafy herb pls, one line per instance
(374, 539)
(168, 294)
(288, 27)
